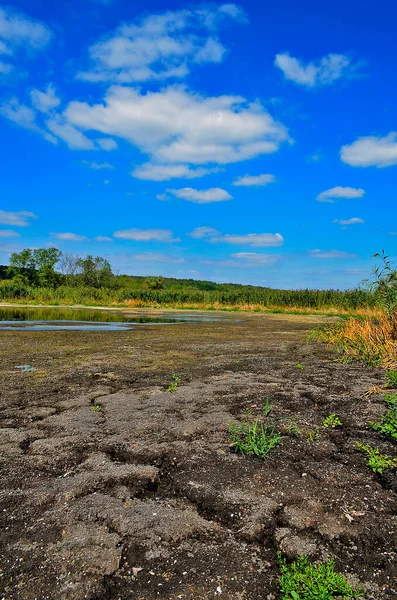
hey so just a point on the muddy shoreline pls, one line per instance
(114, 488)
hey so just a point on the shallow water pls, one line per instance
(78, 319)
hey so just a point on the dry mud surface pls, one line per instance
(142, 498)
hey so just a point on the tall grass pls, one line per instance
(221, 296)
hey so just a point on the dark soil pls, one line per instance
(114, 488)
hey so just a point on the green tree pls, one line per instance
(22, 267)
(45, 260)
(155, 282)
(95, 272)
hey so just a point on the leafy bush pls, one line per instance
(375, 460)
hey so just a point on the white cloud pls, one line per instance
(21, 218)
(98, 166)
(7, 233)
(157, 257)
(70, 237)
(250, 239)
(107, 144)
(201, 196)
(73, 137)
(106, 181)
(146, 235)
(254, 259)
(371, 151)
(19, 33)
(254, 180)
(160, 46)
(103, 238)
(46, 101)
(324, 71)
(153, 172)
(352, 221)
(203, 233)
(177, 126)
(340, 192)
(23, 116)
(331, 254)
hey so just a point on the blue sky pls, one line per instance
(251, 142)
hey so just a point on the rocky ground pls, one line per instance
(115, 488)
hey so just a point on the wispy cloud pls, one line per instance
(7, 233)
(250, 239)
(254, 180)
(25, 117)
(352, 221)
(371, 151)
(70, 237)
(21, 218)
(147, 235)
(103, 238)
(158, 257)
(331, 254)
(201, 196)
(98, 166)
(45, 101)
(155, 172)
(201, 233)
(338, 192)
(107, 144)
(160, 46)
(323, 71)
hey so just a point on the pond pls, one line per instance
(87, 319)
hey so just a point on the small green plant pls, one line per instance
(175, 381)
(332, 421)
(303, 580)
(299, 366)
(391, 379)
(311, 435)
(375, 460)
(253, 437)
(388, 424)
(96, 408)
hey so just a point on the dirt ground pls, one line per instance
(114, 488)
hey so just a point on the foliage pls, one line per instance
(35, 267)
(391, 378)
(95, 272)
(332, 421)
(303, 580)
(254, 438)
(384, 285)
(375, 460)
(299, 366)
(155, 283)
(175, 381)
(388, 424)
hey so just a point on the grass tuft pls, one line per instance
(253, 438)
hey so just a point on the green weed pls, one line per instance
(253, 437)
(332, 421)
(175, 381)
(96, 408)
(388, 424)
(303, 580)
(299, 366)
(375, 460)
(391, 378)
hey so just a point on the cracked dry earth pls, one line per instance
(114, 488)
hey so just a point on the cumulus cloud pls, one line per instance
(202, 196)
(250, 239)
(160, 46)
(45, 101)
(146, 235)
(331, 254)
(7, 233)
(371, 151)
(70, 237)
(323, 71)
(19, 33)
(352, 221)
(203, 233)
(153, 172)
(175, 125)
(157, 257)
(340, 192)
(21, 218)
(254, 180)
